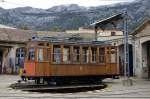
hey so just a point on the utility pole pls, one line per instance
(127, 81)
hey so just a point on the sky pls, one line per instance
(44, 4)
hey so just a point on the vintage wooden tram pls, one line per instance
(61, 61)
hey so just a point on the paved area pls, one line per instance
(115, 90)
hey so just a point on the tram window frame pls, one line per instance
(93, 56)
(40, 52)
(76, 55)
(57, 59)
(30, 58)
(85, 55)
(45, 56)
(66, 55)
(101, 55)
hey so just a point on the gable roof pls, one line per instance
(110, 20)
(140, 27)
(7, 34)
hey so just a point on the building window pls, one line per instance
(93, 55)
(31, 56)
(66, 55)
(76, 55)
(85, 55)
(20, 54)
(57, 54)
(113, 33)
(101, 55)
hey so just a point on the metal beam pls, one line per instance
(102, 24)
(114, 20)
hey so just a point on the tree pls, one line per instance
(56, 28)
(24, 27)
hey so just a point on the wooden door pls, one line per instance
(108, 65)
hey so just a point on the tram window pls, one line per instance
(85, 55)
(113, 55)
(31, 56)
(101, 55)
(76, 55)
(66, 55)
(57, 55)
(93, 55)
(40, 55)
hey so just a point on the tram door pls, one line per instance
(108, 65)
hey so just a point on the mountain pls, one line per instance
(60, 18)
(67, 8)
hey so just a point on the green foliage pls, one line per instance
(55, 28)
(24, 27)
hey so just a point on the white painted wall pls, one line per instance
(9, 58)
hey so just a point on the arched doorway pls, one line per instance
(121, 59)
(146, 59)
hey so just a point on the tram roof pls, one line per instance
(71, 41)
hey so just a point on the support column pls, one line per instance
(81, 55)
(51, 53)
(90, 54)
(13, 57)
(71, 54)
(97, 55)
(62, 53)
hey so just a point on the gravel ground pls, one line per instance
(115, 90)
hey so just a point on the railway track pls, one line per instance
(57, 88)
